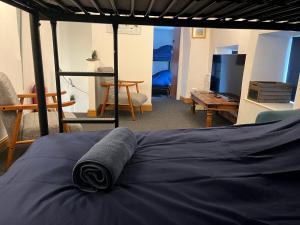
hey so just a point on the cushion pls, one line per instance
(8, 96)
(30, 127)
(138, 99)
(272, 116)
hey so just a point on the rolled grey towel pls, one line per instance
(101, 166)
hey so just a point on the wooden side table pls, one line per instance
(212, 103)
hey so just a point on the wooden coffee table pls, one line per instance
(212, 103)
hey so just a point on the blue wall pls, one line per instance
(162, 36)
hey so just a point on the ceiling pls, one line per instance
(240, 14)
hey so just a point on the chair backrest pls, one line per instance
(8, 96)
(100, 90)
(272, 116)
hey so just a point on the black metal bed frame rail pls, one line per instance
(40, 85)
(174, 22)
(260, 14)
(39, 73)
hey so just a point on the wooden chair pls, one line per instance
(127, 98)
(24, 128)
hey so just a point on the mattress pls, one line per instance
(162, 79)
(230, 175)
(163, 53)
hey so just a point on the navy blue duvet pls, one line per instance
(233, 175)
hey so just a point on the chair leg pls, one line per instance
(13, 140)
(102, 110)
(132, 112)
(141, 110)
(104, 102)
(10, 154)
(130, 103)
(66, 127)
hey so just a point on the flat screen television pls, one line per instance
(227, 75)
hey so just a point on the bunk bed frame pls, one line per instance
(160, 89)
(235, 14)
(164, 60)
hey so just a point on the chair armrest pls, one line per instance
(33, 106)
(32, 95)
(135, 83)
(104, 84)
(132, 81)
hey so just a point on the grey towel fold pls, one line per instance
(101, 166)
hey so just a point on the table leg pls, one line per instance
(193, 107)
(209, 118)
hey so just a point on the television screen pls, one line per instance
(227, 74)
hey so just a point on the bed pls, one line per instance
(161, 81)
(245, 174)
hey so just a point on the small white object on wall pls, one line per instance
(126, 29)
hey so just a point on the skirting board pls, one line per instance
(94, 113)
(186, 100)
(147, 108)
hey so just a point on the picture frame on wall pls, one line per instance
(199, 32)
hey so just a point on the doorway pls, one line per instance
(166, 46)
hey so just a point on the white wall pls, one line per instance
(257, 61)
(135, 54)
(163, 36)
(26, 50)
(27, 58)
(194, 63)
(199, 64)
(229, 37)
(249, 111)
(10, 56)
(184, 58)
(16, 52)
(196, 56)
(270, 58)
(75, 46)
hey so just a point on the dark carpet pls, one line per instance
(167, 114)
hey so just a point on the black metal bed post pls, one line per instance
(57, 77)
(116, 71)
(39, 73)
